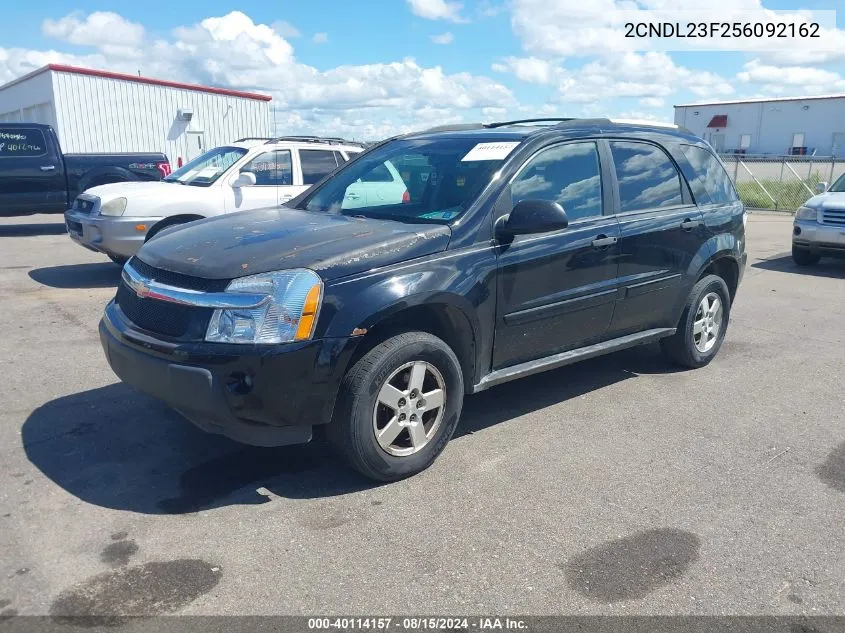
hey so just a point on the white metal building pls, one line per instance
(99, 111)
(781, 125)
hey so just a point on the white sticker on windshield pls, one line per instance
(490, 151)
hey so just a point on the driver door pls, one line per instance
(557, 290)
(273, 181)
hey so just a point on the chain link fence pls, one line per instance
(781, 183)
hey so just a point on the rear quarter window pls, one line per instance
(708, 180)
(21, 142)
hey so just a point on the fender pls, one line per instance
(460, 282)
(103, 175)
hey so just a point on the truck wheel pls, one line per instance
(703, 324)
(398, 406)
(804, 256)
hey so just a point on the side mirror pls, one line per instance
(244, 179)
(821, 187)
(532, 216)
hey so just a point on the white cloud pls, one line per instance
(647, 76)
(320, 38)
(437, 10)
(652, 102)
(443, 38)
(528, 69)
(285, 29)
(792, 80)
(103, 27)
(367, 101)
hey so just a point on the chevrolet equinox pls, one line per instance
(431, 266)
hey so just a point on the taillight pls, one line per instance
(406, 197)
(164, 168)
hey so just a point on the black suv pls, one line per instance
(507, 249)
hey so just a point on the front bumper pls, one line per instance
(265, 395)
(823, 239)
(117, 236)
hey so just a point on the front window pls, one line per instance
(839, 185)
(205, 169)
(412, 180)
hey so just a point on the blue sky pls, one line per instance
(375, 68)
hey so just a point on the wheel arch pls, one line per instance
(173, 220)
(440, 315)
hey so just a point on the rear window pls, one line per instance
(710, 184)
(647, 178)
(21, 142)
(316, 164)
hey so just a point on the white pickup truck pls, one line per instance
(115, 219)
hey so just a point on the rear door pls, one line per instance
(32, 178)
(556, 290)
(273, 181)
(662, 230)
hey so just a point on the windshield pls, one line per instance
(412, 180)
(839, 185)
(205, 169)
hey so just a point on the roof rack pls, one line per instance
(520, 121)
(253, 138)
(453, 127)
(328, 140)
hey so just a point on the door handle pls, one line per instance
(47, 167)
(603, 241)
(689, 225)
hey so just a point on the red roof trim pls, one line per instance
(156, 82)
(719, 120)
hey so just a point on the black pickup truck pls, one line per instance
(35, 177)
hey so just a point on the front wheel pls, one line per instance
(703, 324)
(804, 256)
(398, 406)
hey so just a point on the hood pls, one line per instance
(136, 189)
(265, 240)
(827, 200)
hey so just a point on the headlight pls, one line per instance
(806, 213)
(289, 314)
(114, 207)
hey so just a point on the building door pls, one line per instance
(838, 148)
(718, 142)
(196, 144)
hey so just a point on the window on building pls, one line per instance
(798, 139)
(316, 164)
(21, 142)
(710, 184)
(272, 169)
(647, 178)
(568, 174)
(745, 141)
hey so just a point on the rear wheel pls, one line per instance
(804, 256)
(398, 406)
(703, 324)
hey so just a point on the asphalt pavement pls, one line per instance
(617, 486)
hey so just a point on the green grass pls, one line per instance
(788, 195)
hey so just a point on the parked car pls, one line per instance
(819, 227)
(36, 177)
(527, 248)
(249, 174)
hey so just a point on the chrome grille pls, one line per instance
(84, 204)
(836, 217)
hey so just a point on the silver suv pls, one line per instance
(819, 227)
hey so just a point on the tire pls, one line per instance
(689, 348)
(120, 261)
(804, 256)
(164, 224)
(359, 414)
